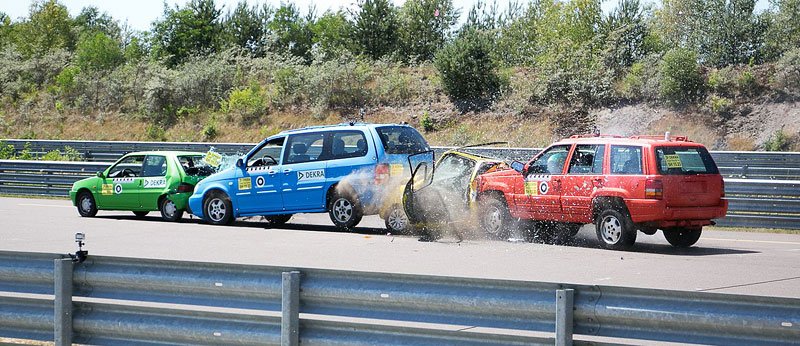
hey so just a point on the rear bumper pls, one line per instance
(659, 214)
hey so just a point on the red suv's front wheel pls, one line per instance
(615, 230)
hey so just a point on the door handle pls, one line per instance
(271, 172)
(287, 170)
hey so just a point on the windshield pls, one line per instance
(402, 140)
(685, 160)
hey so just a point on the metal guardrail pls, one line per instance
(120, 301)
(732, 164)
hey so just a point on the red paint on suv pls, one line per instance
(622, 185)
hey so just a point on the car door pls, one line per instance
(303, 178)
(119, 185)
(543, 183)
(153, 181)
(259, 184)
(584, 176)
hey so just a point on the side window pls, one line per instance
(347, 144)
(626, 159)
(304, 148)
(551, 161)
(154, 166)
(268, 155)
(130, 166)
(587, 159)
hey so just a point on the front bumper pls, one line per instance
(195, 205)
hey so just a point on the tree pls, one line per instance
(291, 32)
(783, 33)
(469, 75)
(184, 32)
(92, 20)
(49, 27)
(98, 52)
(375, 28)
(332, 33)
(625, 32)
(244, 28)
(424, 27)
(680, 77)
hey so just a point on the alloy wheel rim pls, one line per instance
(493, 221)
(397, 220)
(216, 209)
(611, 229)
(342, 210)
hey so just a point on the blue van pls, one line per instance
(343, 170)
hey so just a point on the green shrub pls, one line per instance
(468, 73)
(156, 133)
(6, 151)
(288, 85)
(339, 84)
(680, 77)
(393, 86)
(25, 154)
(210, 130)
(426, 122)
(778, 141)
(787, 72)
(246, 105)
(746, 82)
(721, 105)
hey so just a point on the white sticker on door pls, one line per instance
(154, 183)
(317, 174)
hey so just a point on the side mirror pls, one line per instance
(100, 174)
(518, 166)
(240, 163)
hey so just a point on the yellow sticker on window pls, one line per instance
(396, 169)
(532, 188)
(673, 161)
(212, 158)
(245, 183)
(107, 189)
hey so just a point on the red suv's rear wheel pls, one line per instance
(615, 229)
(682, 237)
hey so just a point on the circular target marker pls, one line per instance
(260, 181)
(543, 188)
(118, 189)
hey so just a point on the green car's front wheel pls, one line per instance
(218, 209)
(169, 211)
(86, 204)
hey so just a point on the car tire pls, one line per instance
(141, 214)
(615, 230)
(277, 220)
(217, 209)
(397, 221)
(345, 211)
(564, 232)
(168, 210)
(87, 207)
(495, 219)
(682, 237)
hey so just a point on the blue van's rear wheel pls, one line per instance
(345, 211)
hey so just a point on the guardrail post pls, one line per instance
(63, 302)
(564, 316)
(290, 308)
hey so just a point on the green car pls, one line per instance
(143, 182)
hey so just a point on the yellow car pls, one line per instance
(433, 202)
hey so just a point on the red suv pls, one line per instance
(621, 185)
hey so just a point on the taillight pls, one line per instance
(653, 189)
(381, 173)
(184, 187)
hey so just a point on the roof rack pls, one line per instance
(591, 135)
(663, 138)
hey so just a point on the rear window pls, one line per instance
(194, 165)
(401, 140)
(685, 160)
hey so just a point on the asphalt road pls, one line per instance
(722, 261)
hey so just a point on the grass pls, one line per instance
(754, 230)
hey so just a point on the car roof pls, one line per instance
(632, 140)
(166, 153)
(351, 125)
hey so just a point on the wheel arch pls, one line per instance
(600, 203)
